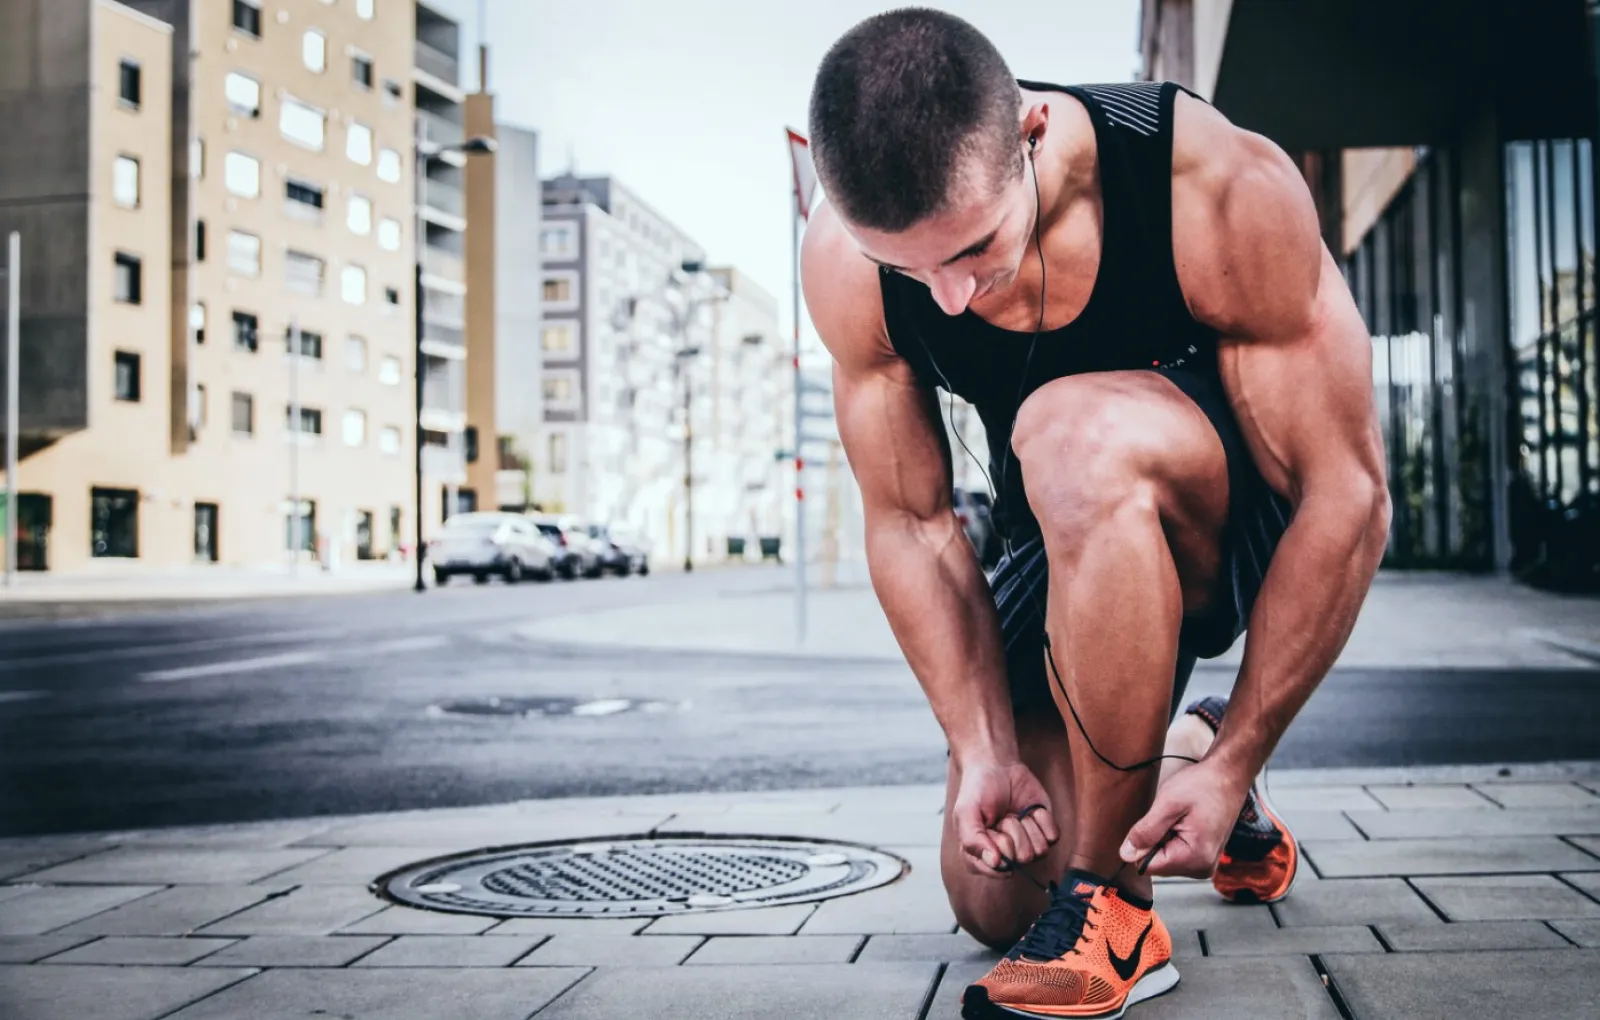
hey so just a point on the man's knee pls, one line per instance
(1086, 457)
(998, 922)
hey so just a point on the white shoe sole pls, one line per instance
(1159, 981)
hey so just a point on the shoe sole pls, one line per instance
(1246, 897)
(975, 1004)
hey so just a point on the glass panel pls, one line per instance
(1588, 391)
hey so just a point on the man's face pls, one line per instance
(974, 247)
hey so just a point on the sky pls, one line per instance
(685, 101)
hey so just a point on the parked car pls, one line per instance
(576, 553)
(621, 552)
(974, 512)
(486, 544)
(591, 550)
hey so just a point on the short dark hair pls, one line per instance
(900, 104)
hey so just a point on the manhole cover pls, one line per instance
(641, 877)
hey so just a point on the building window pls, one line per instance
(559, 338)
(302, 124)
(361, 70)
(354, 428)
(244, 331)
(247, 17)
(128, 376)
(243, 94)
(125, 182)
(391, 297)
(128, 284)
(241, 174)
(244, 414)
(244, 253)
(364, 9)
(128, 84)
(358, 216)
(558, 453)
(355, 354)
(300, 526)
(558, 389)
(389, 440)
(353, 285)
(303, 273)
(309, 423)
(197, 159)
(303, 200)
(358, 143)
(392, 92)
(389, 371)
(389, 166)
(559, 290)
(197, 321)
(559, 241)
(310, 343)
(199, 240)
(314, 51)
(198, 412)
(113, 523)
(389, 234)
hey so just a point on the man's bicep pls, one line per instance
(888, 423)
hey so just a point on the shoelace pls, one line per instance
(1059, 929)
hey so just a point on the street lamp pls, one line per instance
(421, 153)
(682, 319)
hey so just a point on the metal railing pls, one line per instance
(443, 264)
(450, 336)
(447, 198)
(437, 130)
(438, 63)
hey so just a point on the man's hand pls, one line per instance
(1198, 807)
(1002, 809)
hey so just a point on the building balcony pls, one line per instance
(438, 63)
(446, 198)
(443, 341)
(443, 264)
(437, 130)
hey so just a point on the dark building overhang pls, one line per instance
(1314, 74)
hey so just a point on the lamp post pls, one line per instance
(13, 275)
(422, 151)
(682, 319)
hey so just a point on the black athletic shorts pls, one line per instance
(1257, 517)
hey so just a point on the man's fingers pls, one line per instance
(1150, 830)
(1010, 829)
(1035, 833)
(979, 846)
(1042, 817)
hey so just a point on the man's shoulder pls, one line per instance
(842, 290)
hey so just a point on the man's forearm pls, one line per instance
(1307, 607)
(938, 605)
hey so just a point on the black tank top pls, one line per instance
(1136, 316)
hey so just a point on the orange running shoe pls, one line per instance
(1093, 953)
(1261, 858)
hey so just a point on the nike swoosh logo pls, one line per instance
(1127, 968)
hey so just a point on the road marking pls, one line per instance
(423, 643)
(140, 651)
(162, 676)
(7, 697)
(608, 706)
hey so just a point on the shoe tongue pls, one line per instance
(1083, 883)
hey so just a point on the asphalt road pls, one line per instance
(121, 718)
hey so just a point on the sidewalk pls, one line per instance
(1424, 899)
(1409, 620)
(199, 583)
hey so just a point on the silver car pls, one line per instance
(485, 544)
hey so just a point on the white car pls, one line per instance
(484, 544)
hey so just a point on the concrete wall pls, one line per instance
(519, 274)
(44, 193)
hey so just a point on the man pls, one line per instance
(1177, 390)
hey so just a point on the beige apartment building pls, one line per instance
(217, 317)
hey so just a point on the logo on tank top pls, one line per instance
(1175, 362)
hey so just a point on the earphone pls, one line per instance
(1005, 467)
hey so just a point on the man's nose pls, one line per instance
(953, 291)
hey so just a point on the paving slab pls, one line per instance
(295, 951)
(1437, 796)
(1584, 933)
(776, 949)
(1293, 941)
(392, 994)
(427, 833)
(609, 950)
(1198, 906)
(1449, 986)
(450, 951)
(570, 926)
(178, 866)
(107, 993)
(410, 921)
(1280, 988)
(308, 911)
(874, 829)
(1319, 824)
(244, 835)
(1428, 824)
(1589, 843)
(762, 921)
(31, 948)
(916, 904)
(1403, 857)
(357, 865)
(50, 907)
(176, 911)
(123, 950)
(1538, 795)
(1588, 881)
(1321, 798)
(1345, 901)
(21, 858)
(876, 991)
(946, 1004)
(1470, 936)
(1507, 898)
(957, 948)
